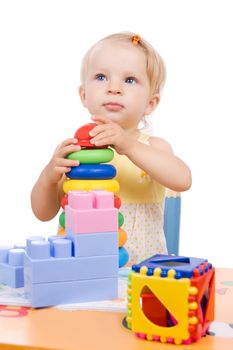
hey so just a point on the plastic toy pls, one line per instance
(92, 172)
(117, 202)
(83, 136)
(123, 256)
(92, 156)
(171, 299)
(90, 185)
(78, 267)
(122, 237)
(12, 266)
(91, 212)
(64, 201)
(91, 175)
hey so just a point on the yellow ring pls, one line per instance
(89, 185)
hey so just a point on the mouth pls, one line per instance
(113, 106)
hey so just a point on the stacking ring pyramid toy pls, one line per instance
(90, 175)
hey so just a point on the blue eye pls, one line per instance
(130, 80)
(100, 77)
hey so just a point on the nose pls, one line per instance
(114, 88)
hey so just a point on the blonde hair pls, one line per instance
(156, 70)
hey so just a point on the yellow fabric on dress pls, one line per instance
(142, 207)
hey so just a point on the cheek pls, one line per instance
(90, 97)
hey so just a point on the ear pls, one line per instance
(82, 95)
(153, 103)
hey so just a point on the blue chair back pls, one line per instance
(172, 211)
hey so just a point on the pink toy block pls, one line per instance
(80, 200)
(91, 211)
(93, 199)
(103, 199)
(92, 220)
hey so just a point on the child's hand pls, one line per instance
(58, 164)
(109, 133)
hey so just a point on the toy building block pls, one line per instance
(11, 266)
(93, 244)
(31, 239)
(171, 299)
(48, 294)
(89, 212)
(42, 267)
(53, 275)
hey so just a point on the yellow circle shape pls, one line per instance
(122, 237)
(129, 291)
(193, 290)
(193, 306)
(193, 320)
(171, 273)
(89, 185)
(157, 272)
(143, 270)
(163, 339)
(149, 337)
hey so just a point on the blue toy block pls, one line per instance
(93, 244)
(31, 239)
(183, 266)
(58, 268)
(70, 269)
(51, 239)
(20, 246)
(48, 294)
(4, 250)
(11, 266)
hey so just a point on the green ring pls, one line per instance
(120, 219)
(62, 219)
(92, 156)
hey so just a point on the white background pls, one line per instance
(41, 46)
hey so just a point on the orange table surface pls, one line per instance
(52, 328)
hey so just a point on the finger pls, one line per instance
(103, 139)
(68, 142)
(100, 128)
(66, 162)
(61, 170)
(100, 119)
(103, 134)
(63, 152)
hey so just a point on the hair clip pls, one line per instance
(135, 39)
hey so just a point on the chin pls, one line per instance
(114, 116)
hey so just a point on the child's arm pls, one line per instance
(47, 191)
(156, 159)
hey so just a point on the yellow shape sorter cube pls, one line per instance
(163, 302)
